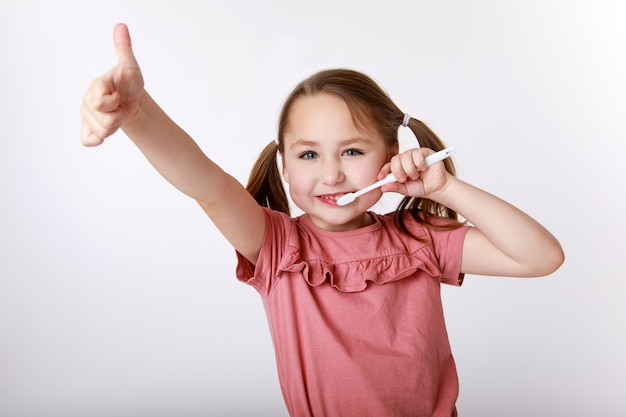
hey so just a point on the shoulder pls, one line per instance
(443, 235)
(277, 220)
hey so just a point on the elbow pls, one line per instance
(550, 262)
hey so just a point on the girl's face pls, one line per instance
(326, 156)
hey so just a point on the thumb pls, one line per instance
(123, 48)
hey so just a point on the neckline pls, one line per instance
(306, 221)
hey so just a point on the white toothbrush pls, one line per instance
(430, 159)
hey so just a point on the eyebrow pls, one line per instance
(341, 143)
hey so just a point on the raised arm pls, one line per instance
(504, 240)
(118, 100)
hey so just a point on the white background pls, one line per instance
(117, 295)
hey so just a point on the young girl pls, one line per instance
(352, 297)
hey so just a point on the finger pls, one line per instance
(87, 137)
(410, 163)
(101, 124)
(101, 95)
(396, 167)
(418, 161)
(384, 171)
(420, 158)
(102, 116)
(394, 187)
(123, 47)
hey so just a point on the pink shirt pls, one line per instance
(356, 317)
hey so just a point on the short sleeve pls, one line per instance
(448, 248)
(262, 275)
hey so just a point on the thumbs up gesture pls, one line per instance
(112, 99)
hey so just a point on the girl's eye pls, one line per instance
(352, 152)
(308, 155)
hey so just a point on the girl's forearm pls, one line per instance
(173, 153)
(531, 249)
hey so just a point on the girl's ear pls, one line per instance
(395, 149)
(285, 173)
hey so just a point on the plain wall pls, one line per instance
(118, 296)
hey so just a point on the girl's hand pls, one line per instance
(113, 98)
(415, 179)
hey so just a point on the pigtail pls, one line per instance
(428, 209)
(265, 183)
(426, 138)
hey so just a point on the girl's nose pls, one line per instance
(331, 173)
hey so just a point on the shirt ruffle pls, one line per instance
(355, 276)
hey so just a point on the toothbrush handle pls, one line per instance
(439, 156)
(387, 180)
(430, 160)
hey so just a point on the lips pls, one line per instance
(330, 198)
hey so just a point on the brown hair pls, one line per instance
(370, 106)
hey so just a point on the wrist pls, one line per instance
(444, 193)
(138, 115)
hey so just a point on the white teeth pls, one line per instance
(332, 197)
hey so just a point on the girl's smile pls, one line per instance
(330, 199)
